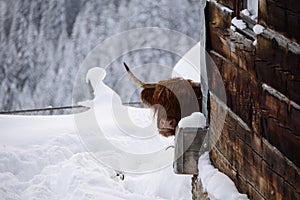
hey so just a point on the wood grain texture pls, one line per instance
(278, 67)
(259, 143)
(266, 114)
(263, 167)
(282, 16)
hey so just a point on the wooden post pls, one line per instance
(190, 144)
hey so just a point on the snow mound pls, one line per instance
(245, 12)
(232, 28)
(226, 9)
(254, 42)
(195, 120)
(258, 29)
(239, 23)
(217, 185)
(43, 157)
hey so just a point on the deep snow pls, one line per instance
(217, 184)
(196, 119)
(47, 157)
(42, 157)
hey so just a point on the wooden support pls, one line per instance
(190, 144)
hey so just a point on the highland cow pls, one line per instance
(171, 99)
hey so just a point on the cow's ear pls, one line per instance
(196, 86)
(147, 96)
(198, 92)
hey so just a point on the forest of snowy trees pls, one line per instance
(43, 42)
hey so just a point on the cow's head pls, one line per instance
(171, 99)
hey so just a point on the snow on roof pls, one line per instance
(245, 12)
(254, 42)
(224, 8)
(239, 23)
(258, 29)
(233, 28)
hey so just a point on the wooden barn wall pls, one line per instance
(259, 144)
(288, 11)
(282, 16)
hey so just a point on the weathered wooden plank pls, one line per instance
(215, 82)
(225, 145)
(242, 91)
(278, 67)
(273, 191)
(219, 42)
(267, 170)
(263, 12)
(258, 172)
(287, 11)
(243, 130)
(243, 160)
(288, 193)
(282, 138)
(282, 110)
(279, 188)
(293, 87)
(247, 98)
(282, 166)
(293, 20)
(225, 166)
(244, 186)
(246, 163)
(233, 46)
(256, 143)
(273, 157)
(230, 44)
(217, 115)
(292, 5)
(218, 16)
(281, 71)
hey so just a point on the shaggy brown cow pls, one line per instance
(171, 99)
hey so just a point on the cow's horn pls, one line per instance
(137, 81)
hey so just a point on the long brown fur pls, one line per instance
(178, 98)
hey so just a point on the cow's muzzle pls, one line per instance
(167, 127)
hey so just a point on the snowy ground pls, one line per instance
(47, 157)
(49, 162)
(43, 157)
(52, 157)
(216, 184)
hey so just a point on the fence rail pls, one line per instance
(60, 108)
